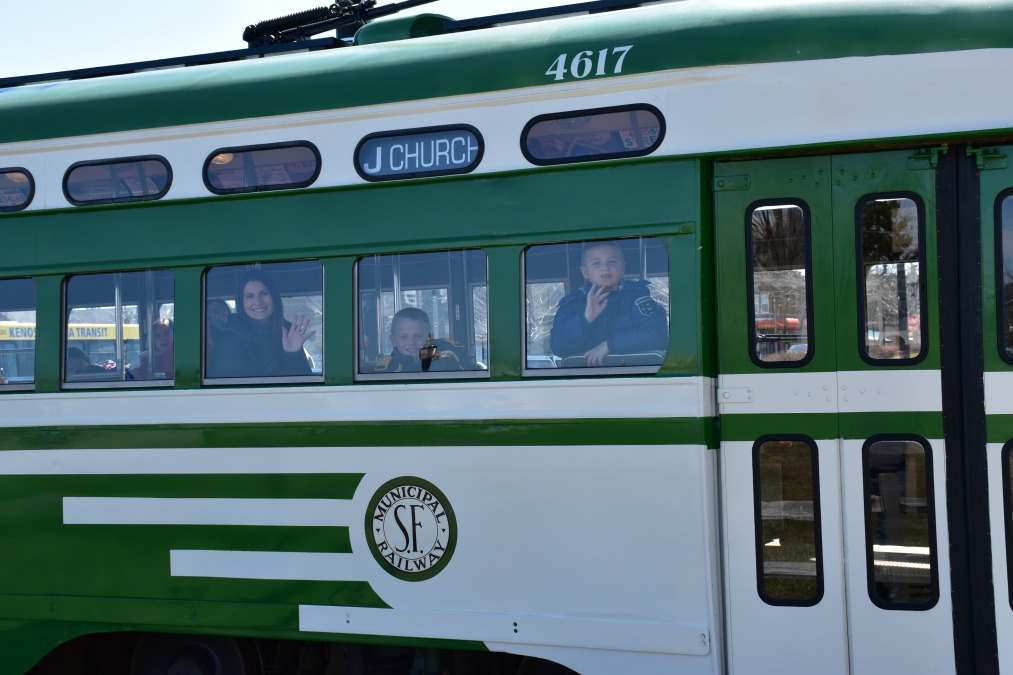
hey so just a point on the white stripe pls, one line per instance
(275, 565)
(274, 461)
(161, 511)
(647, 397)
(702, 107)
(859, 391)
(591, 633)
(999, 393)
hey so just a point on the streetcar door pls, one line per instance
(996, 209)
(830, 399)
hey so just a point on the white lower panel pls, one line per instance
(644, 636)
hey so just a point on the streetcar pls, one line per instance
(622, 337)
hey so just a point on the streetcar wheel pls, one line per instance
(194, 655)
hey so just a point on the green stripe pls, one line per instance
(821, 426)
(675, 431)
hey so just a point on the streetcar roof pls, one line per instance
(679, 35)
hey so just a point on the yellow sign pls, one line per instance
(75, 331)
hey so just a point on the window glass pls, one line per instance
(120, 180)
(416, 305)
(16, 189)
(269, 167)
(900, 528)
(17, 332)
(781, 284)
(119, 328)
(789, 556)
(593, 134)
(1004, 222)
(890, 286)
(602, 304)
(264, 320)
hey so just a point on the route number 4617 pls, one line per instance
(583, 63)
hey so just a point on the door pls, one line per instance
(833, 452)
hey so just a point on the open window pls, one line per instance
(17, 334)
(418, 305)
(264, 322)
(623, 326)
(118, 328)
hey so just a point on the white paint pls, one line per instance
(584, 632)
(619, 398)
(1000, 563)
(275, 565)
(189, 511)
(861, 391)
(999, 393)
(703, 108)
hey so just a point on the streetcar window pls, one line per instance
(119, 328)
(1004, 223)
(413, 306)
(780, 286)
(16, 189)
(17, 333)
(889, 278)
(264, 321)
(627, 280)
(130, 179)
(900, 523)
(586, 135)
(789, 562)
(256, 168)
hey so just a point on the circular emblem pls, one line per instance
(411, 528)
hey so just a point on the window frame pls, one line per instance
(589, 371)
(930, 510)
(468, 288)
(31, 189)
(26, 386)
(239, 149)
(751, 336)
(860, 286)
(111, 162)
(1004, 353)
(312, 378)
(548, 117)
(68, 384)
(758, 520)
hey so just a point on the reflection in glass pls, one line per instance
(119, 327)
(559, 138)
(780, 283)
(15, 189)
(890, 278)
(268, 168)
(17, 332)
(264, 320)
(899, 527)
(788, 522)
(405, 298)
(125, 180)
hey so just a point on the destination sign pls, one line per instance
(433, 152)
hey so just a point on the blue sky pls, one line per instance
(43, 37)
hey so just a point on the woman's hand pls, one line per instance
(292, 339)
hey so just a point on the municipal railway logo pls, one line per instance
(411, 528)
